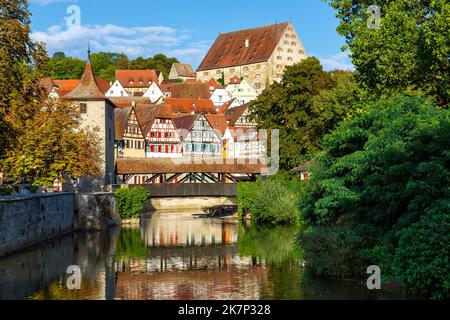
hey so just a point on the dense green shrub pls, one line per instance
(269, 202)
(130, 202)
(422, 259)
(6, 191)
(378, 175)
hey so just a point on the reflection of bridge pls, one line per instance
(154, 170)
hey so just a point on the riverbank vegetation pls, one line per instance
(378, 139)
(270, 202)
(131, 202)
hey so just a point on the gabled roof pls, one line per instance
(146, 115)
(233, 114)
(225, 106)
(47, 84)
(121, 116)
(230, 49)
(185, 123)
(133, 78)
(235, 80)
(197, 90)
(213, 83)
(191, 105)
(88, 87)
(184, 70)
(218, 122)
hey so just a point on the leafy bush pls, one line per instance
(378, 175)
(269, 202)
(130, 202)
(6, 191)
(32, 189)
(423, 256)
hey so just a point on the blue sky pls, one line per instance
(184, 29)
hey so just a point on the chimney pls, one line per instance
(247, 43)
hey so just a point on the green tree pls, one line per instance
(20, 58)
(409, 52)
(378, 175)
(64, 68)
(308, 103)
(105, 64)
(59, 55)
(52, 145)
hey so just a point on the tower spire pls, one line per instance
(89, 51)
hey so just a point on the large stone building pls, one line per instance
(258, 55)
(97, 116)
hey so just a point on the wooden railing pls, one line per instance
(190, 190)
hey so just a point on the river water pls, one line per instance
(173, 255)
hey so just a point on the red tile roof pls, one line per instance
(185, 123)
(139, 78)
(191, 105)
(121, 116)
(197, 90)
(226, 105)
(233, 114)
(88, 87)
(155, 165)
(218, 122)
(146, 115)
(235, 80)
(184, 70)
(230, 49)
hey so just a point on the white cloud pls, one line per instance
(339, 61)
(134, 42)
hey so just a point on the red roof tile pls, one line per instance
(197, 90)
(191, 105)
(218, 122)
(121, 116)
(136, 78)
(230, 49)
(88, 87)
(233, 114)
(235, 80)
(184, 70)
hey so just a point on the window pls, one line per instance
(117, 84)
(205, 73)
(301, 52)
(111, 91)
(258, 75)
(279, 58)
(286, 42)
(257, 85)
(287, 35)
(258, 66)
(245, 69)
(290, 59)
(280, 49)
(293, 43)
(218, 71)
(279, 66)
(83, 107)
(290, 51)
(232, 70)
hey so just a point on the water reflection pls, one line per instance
(173, 255)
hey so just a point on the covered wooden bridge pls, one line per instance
(178, 171)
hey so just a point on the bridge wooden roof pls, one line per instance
(155, 165)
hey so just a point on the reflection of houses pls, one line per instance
(168, 230)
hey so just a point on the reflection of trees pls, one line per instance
(271, 245)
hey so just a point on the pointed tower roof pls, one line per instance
(88, 87)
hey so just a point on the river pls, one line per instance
(173, 255)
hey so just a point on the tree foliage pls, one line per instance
(104, 65)
(409, 52)
(52, 145)
(130, 202)
(307, 104)
(378, 175)
(20, 58)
